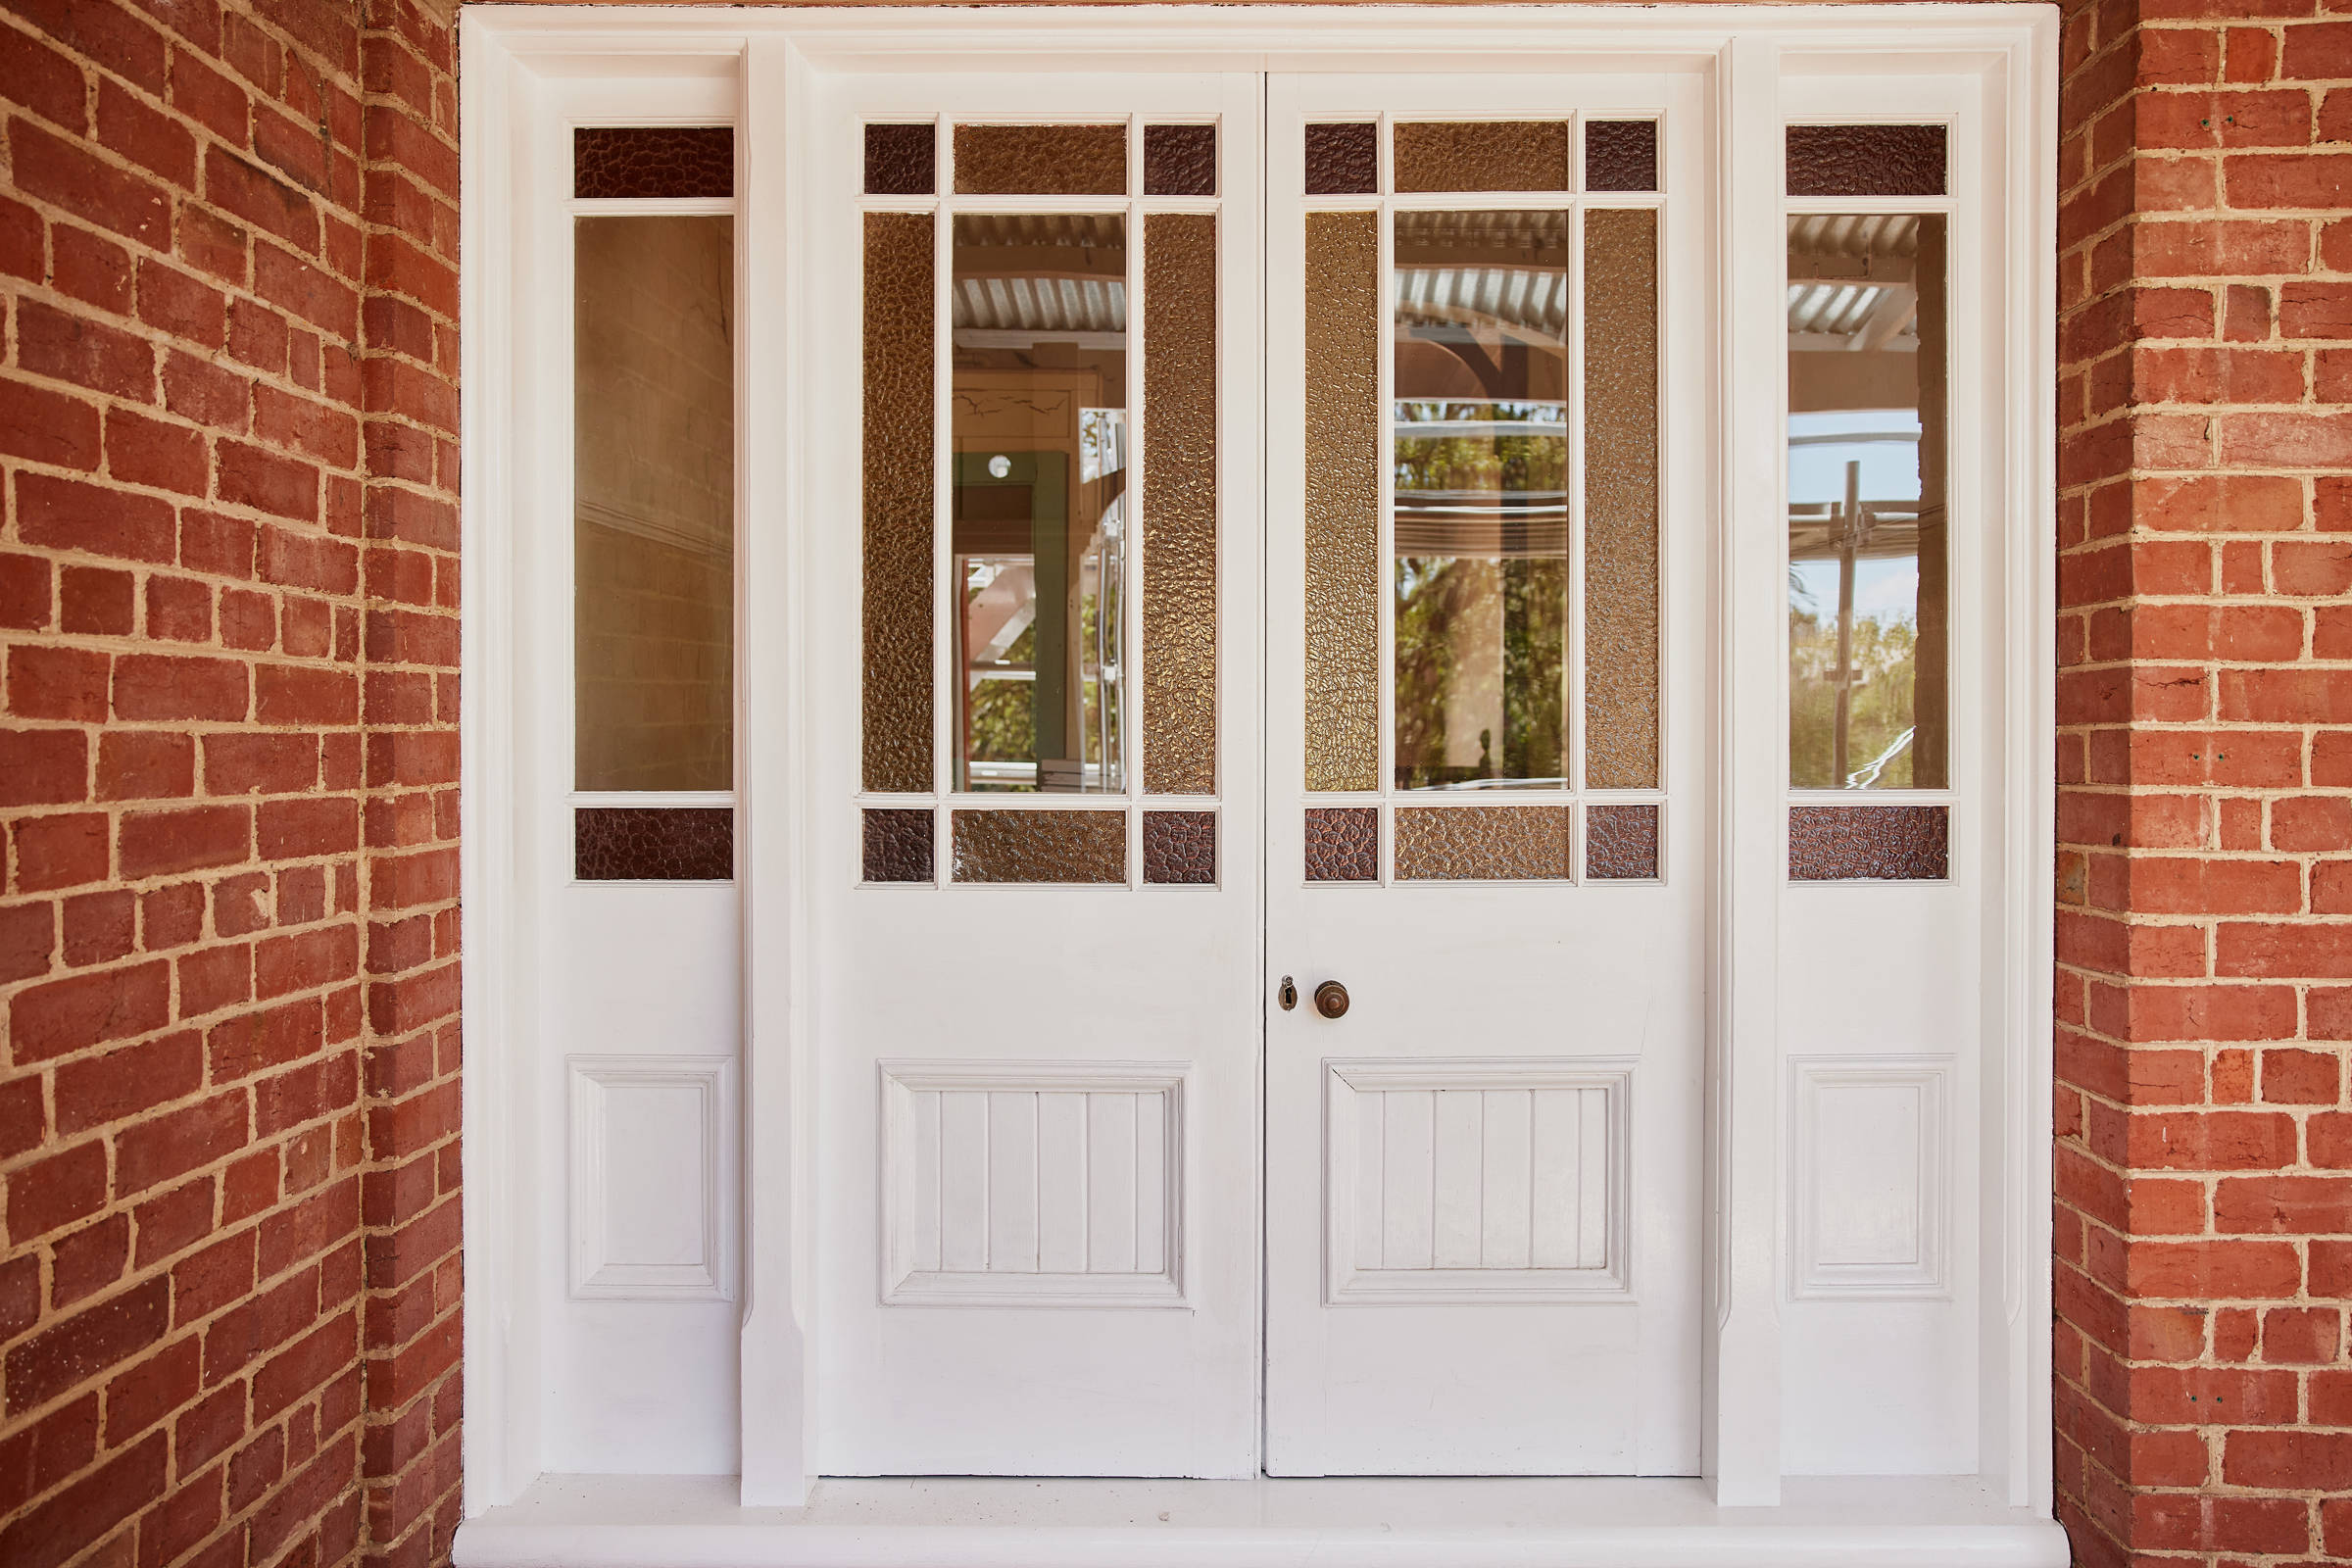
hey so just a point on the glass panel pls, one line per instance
(1180, 846)
(1041, 846)
(1180, 501)
(1343, 159)
(1868, 843)
(1342, 502)
(902, 159)
(1343, 844)
(1621, 499)
(1620, 155)
(1866, 160)
(1621, 843)
(653, 161)
(1041, 515)
(898, 846)
(1868, 589)
(1482, 155)
(650, 844)
(1180, 160)
(1482, 842)
(898, 502)
(1481, 500)
(1041, 160)
(654, 503)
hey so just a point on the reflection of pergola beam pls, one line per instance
(1892, 313)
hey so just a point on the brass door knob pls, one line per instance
(1331, 999)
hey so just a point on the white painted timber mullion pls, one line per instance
(1740, 1442)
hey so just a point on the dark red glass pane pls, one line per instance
(900, 160)
(1180, 160)
(1866, 160)
(1620, 155)
(1621, 843)
(1344, 159)
(654, 844)
(1343, 844)
(1870, 842)
(636, 161)
(1180, 846)
(898, 846)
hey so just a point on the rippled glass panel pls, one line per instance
(1620, 155)
(897, 526)
(1480, 520)
(1867, 160)
(660, 161)
(1870, 842)
(1343, 844)
(1621, 843)
(1621, 499)
(1180, 501)
(898, 846)
(1483, 843)
(1041, 160)
(900, 160)
(1045, 846)
(1343, 157)
(1482, 155)
(1342, 501)
(654, 844)
(1180, 160)
(1180, 847)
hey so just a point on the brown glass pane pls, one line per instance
(1868, 843)
(1869, 600)
(1180, 501)
(1180, 846)
(1041, 846)
(1343, 159)
(1180, 160)
(1482, 155)
(653, 503)
(1041, 160)
(1620, 155)
(654, 844)
(1480, 498)
(1621, 499)
(902, 159)
(1482, 842)
(1866, 160)
(1040, 504)
(897, 502)
(1343, 844)
(898, 846)
(1621, 843)
(1342, 502)
(653, 161)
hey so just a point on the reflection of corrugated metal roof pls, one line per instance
(1041, 273)
(1844, 266)
(1506, 269)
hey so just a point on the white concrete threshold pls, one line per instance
(694, 1522)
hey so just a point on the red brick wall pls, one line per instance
(229, 1113)
(2204, 1160)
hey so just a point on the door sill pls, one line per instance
(694, 1522)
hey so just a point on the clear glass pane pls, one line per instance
(1180, 501)
(1867, 556)
(898, 526)
(1621, 499)
(654, 503)
(1342, 501)
(1481, 525)
(1482, 155)
(1041, 527)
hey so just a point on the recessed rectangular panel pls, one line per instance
(654, 843)
(1483, 843)
(1041, 160)
(1871, 1187)
(1042, 846)
(1342, 502)
(1482, 155)
(896, 845)
(1180, 846)
(1032, 1183)
(1621, 499)
(1620, 155)
(1867, 160)
(1343, 157)
(1180, 501)
(1621, 843)
(1343, 844)
(1180, 160)
(902, 159)
(898, 503)
(655, 160)
(1484, 1180)
(1870, 842)
(652, 1157)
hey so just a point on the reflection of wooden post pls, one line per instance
(1930, 684)
(1849, 542)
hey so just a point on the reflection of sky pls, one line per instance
(1885, 441)
(1883, 589)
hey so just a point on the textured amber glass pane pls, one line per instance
(1481, 525)
(1039, 497)
(1041, 846)
(1041, 160)
(650, 844)
(1180, 160)
(1180, 846)
(1868, 843)
(1621, 499)
(1482, 842)
(1342, 502)
(653, 161)
(898, 502)
(1866, 160)
(1621, 843)
(1869, 576)
(654, 503)
(1482, 155)
(900, 160)
(1343, 159)
(1343, 844)
(1620, 155)
(1180, 502)
(898, 846)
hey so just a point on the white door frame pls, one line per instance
(1761, 64)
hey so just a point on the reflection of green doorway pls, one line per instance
(1021, 514)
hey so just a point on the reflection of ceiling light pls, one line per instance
(999, 466)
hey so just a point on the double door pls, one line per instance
(1260, 974)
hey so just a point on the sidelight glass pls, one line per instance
(1342, 501)
(1481, 520)
(1180, 501)
(1621, 499)
(900, 160)
(654, 503)
(1870, 842)
(1867, 160)
(1868, 557)
(658, 161)
(897, 524)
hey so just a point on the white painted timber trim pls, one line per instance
(693, 1522)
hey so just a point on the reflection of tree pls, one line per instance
(1003, 713)
(1880, 711)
